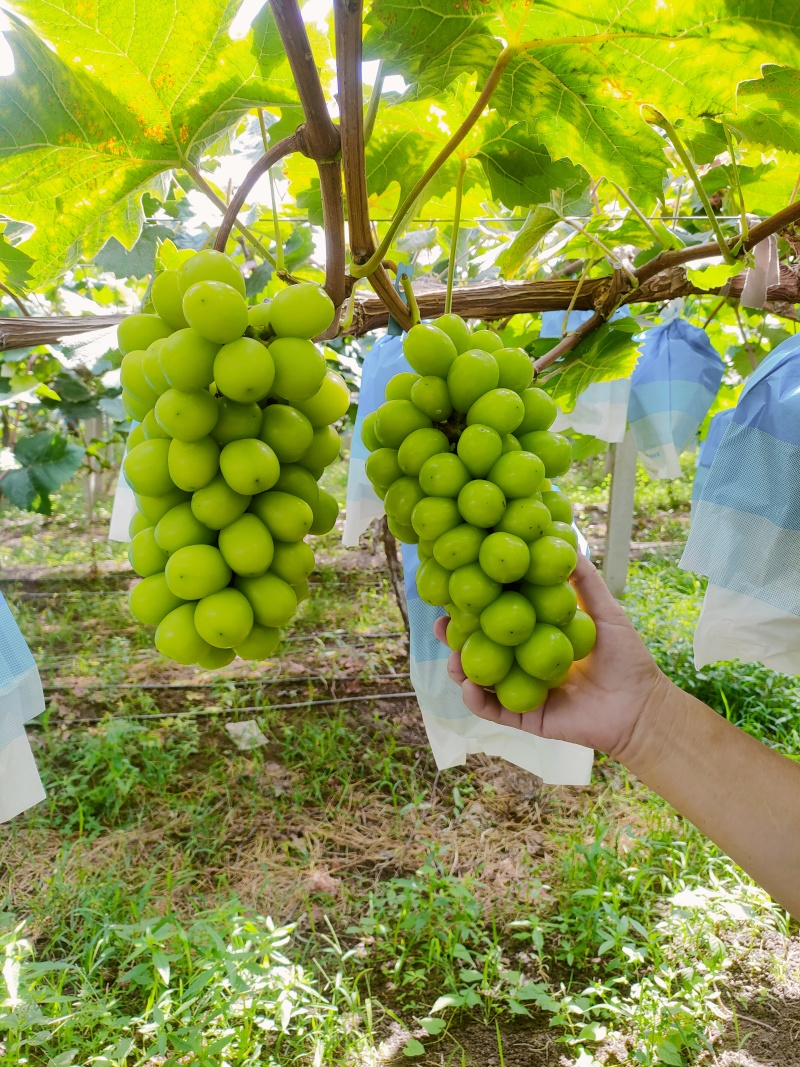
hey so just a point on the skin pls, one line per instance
(741, 794)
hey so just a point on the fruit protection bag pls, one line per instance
(21, 699)
(672, 388)
(745, 532)
(123, 509)
(708, 449)
(382, 362)
(452, 730)
(601, 410)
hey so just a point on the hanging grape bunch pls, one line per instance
(462, 455)
(236, 409)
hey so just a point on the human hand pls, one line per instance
(604, 696)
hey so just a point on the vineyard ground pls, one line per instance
(586, 925)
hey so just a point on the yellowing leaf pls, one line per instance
(128, 92)
(714, 276)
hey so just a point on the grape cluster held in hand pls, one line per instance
(237, 408)
(462, 455)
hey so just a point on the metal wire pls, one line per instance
(201, 712)
(287, 680)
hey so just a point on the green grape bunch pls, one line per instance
(462, 455)
(237, 410)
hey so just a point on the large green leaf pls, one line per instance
(130, 91)
(47, 460)
(520, 171)
(768, 109)
(584, 68)
(604, 355)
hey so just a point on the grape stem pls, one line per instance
(319, 139)
(502, 61)
(656, 118)
(204, 187)
(736, 180)
(261, 166)
(347, 22)
(374, 104)
(16, 300)
(451, 265)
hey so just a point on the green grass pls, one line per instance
(328, 899)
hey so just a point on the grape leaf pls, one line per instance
(140, 260)
(520, 171)
(714, 276)
(767, 109)
(608, 353)
(129, 92)
(47, 460)
(14, 265)
(538, 223)
(582, 96)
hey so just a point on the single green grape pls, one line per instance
(472, 590)
(504, 557)
(554, 450)
(456, 329)
(582, 634)
(395, 420)
(554, 604)
(431, 396)
(287, 431)
(186, 360)
(215, 310)
(488, 340)
(210, 266)
(502, 409)
(303, 310)
(518, 474)
(484, 661)
(433, 583)
(540, 410)
(168, 299)
(471, 374)
(481, 503)
(435, 515)
(516, 368)
(547, 653)
(458, 546)
(443, 474)
(509, 620)
(139, 331)
(418, 447)
(519, 692)
(247, 546)
(186, 416)
(399, 386)
(479, 448)
(429, 350)
(552, 561)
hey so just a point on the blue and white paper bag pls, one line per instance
(601, 410)
(745, 532)
(672, 388)
(452, 730)
(382, 362)
(21, 699)
(707, 451)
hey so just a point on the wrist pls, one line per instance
(655, 730)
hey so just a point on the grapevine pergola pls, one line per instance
(431, 45)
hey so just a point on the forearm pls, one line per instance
(741, 794)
